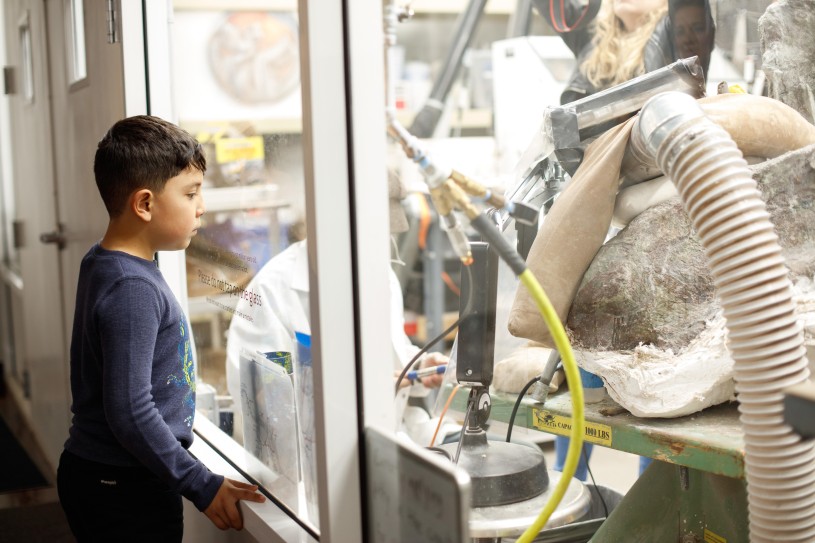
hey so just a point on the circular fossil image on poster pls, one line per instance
(254, 56)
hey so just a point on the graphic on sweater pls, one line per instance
(187, 378)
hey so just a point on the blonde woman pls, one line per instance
(612, 40)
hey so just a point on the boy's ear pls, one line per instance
(142, 204)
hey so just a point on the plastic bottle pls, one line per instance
(304, 400)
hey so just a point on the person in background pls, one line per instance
(283, 285)
(125, 466)
(693, 30)
(614, 41)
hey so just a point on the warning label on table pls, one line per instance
(711, 537)
(558, 424)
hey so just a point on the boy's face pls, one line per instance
(177, 211)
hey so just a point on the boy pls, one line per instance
(125, 465)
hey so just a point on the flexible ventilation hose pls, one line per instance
(764, 336)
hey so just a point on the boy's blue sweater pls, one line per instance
(132, 374)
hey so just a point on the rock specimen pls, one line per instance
(646, 318)
(787, 60)
(650, 284)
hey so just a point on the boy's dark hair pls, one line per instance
(142, 152)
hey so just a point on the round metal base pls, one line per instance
(513, 519)
(501, 473)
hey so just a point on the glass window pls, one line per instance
(11, 229)
(75, 36)
(482, 113)
(237, 89)
(26, 62)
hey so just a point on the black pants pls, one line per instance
(113, 503)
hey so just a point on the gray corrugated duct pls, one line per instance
(764, 336)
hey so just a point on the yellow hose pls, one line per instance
(573, 379)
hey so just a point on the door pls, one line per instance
(87, 97)
(40, 358)
(69, 88)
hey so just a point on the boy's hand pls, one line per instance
(223, 511)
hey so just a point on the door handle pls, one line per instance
(57, 237)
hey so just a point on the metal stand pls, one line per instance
(433, 265)
(434, 255)
(501, 472)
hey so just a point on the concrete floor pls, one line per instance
(31, 515)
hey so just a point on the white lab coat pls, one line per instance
(284, 289)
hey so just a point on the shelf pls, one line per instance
(502, 7)
(240, 198)
(238, 5)
(203, 308)
(711, 440)
(280, 125)
(498, 7)
(465, 119)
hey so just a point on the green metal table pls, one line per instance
(711, 440)
(695, 493)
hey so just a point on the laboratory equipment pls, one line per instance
(510, 481)
(556, 148)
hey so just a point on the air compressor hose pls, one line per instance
(765, 338)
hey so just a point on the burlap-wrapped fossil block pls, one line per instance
(650, 284)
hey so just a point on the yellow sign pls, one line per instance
(710, 537)
(232, 149)
(558, 424)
